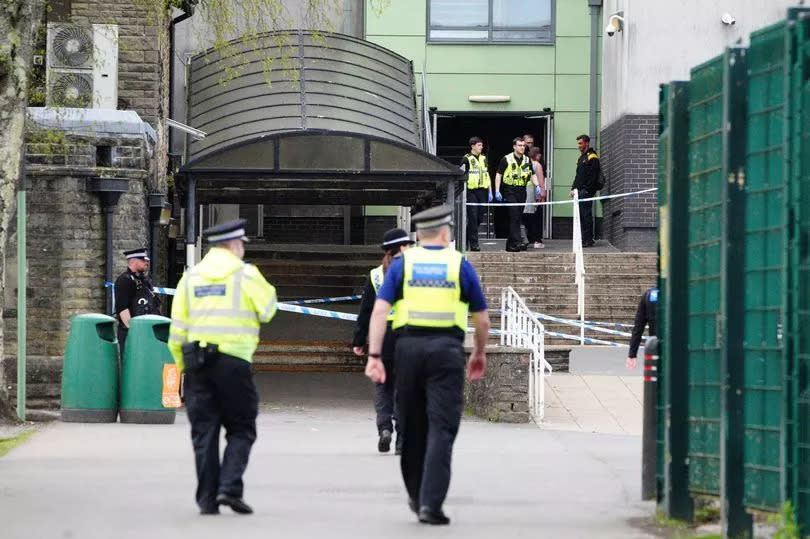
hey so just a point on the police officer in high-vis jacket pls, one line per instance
(432, 287)
(134, 293)
(479, 189)
(513, 176)
(395, 242)
(216, 313)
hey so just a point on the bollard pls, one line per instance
(648, 442)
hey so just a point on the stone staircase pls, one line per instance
(614, 283)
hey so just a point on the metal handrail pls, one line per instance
(579, 267)
(519, 328)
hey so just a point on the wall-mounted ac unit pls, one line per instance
(82, 68)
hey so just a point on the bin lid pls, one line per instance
(93, 317)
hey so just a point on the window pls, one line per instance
(491, 20)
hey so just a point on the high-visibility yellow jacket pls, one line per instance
(222, 301)
(377, 277)
(477, 172)
(517, 173)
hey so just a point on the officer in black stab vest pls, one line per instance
(134, 293)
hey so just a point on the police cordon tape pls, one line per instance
(552, 202)
(323, 300)
(595, 326)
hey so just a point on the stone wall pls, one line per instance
(503, 394)
(629, 160)
(66, 247)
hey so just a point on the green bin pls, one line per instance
(145, 354)
(90, 370)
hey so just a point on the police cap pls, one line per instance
(232, 230)
(394, 237)
(433, 218)
(137, 253)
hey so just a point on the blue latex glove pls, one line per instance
(537, 191)
(499, 197)
(489, 197)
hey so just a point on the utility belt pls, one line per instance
(196, 357)
(517, 182)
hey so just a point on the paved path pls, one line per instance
(315, 473)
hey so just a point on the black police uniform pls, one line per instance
(514, 194)
(134, 291)
(430, 364)
(645, 315)
(475, 214)
(384, 400)
(585, 182)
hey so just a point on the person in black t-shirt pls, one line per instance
(134, 293)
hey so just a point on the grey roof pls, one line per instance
(92, 122)
(344, 130)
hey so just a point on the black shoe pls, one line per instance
(384, 443)
(589, 244)
(210, 511)
(524, 246)
(513, 249)
(434, 517)
(237, 504)
(414, 507)
(476, 248)
(398, 446)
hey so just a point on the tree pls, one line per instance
(19, 20)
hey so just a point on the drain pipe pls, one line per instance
(596, 9)
(109, 190)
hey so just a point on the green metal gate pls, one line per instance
(765, 267)
(705, 209)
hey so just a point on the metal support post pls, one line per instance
(191, 221)
(648, 452)
(22, 319)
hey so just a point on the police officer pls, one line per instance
(479, 189)
(433, 288)
(395, 242)
(515, 170)
(216, 313)
(134, 293)
(585, 185)
(645, 315)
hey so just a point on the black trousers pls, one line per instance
(513, 194)
(586, 217)
(222, 393)
(475, 214)
(430, 393)
(534, 225)
(384, 402)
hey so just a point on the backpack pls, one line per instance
(600, 181)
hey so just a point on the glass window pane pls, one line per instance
(521, 13)
(456, 13)
(521, 35)
(470, 35)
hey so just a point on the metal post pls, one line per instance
(109, 213)
(22, 319)
(191, 221)
(596, 7)
(736, 521)
(648, 453)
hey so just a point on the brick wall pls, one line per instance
(629, 154)
(66, 248)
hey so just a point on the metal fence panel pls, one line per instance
(705, 209)
(765, 268)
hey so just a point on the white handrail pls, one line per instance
(579, 267)
(519, 328)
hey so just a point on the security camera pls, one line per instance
(727, 19)
(615, 24)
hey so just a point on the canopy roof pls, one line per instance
(336, 124)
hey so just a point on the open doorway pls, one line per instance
(497, 130)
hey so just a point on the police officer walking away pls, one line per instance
(216, 313)
(515, 170)
(645, 315)
(479, 189)
(585, 185)
(395, 242)
(134, 293)
(433, 287)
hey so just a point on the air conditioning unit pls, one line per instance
(82, 68)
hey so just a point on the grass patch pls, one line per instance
(663, 521)
(7, 444)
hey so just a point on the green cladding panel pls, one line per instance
(705, 210)
(800, 282)
(765, 268)
(664, 138)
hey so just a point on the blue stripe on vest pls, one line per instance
(209, 290)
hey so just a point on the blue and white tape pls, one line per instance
(323, 300)
(553, 202)
(577, 323)
(316, 312)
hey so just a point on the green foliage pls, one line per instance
(785, 520)
(7, 444)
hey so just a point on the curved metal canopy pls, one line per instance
(331, 121)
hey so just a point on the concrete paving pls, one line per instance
(314, 472)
